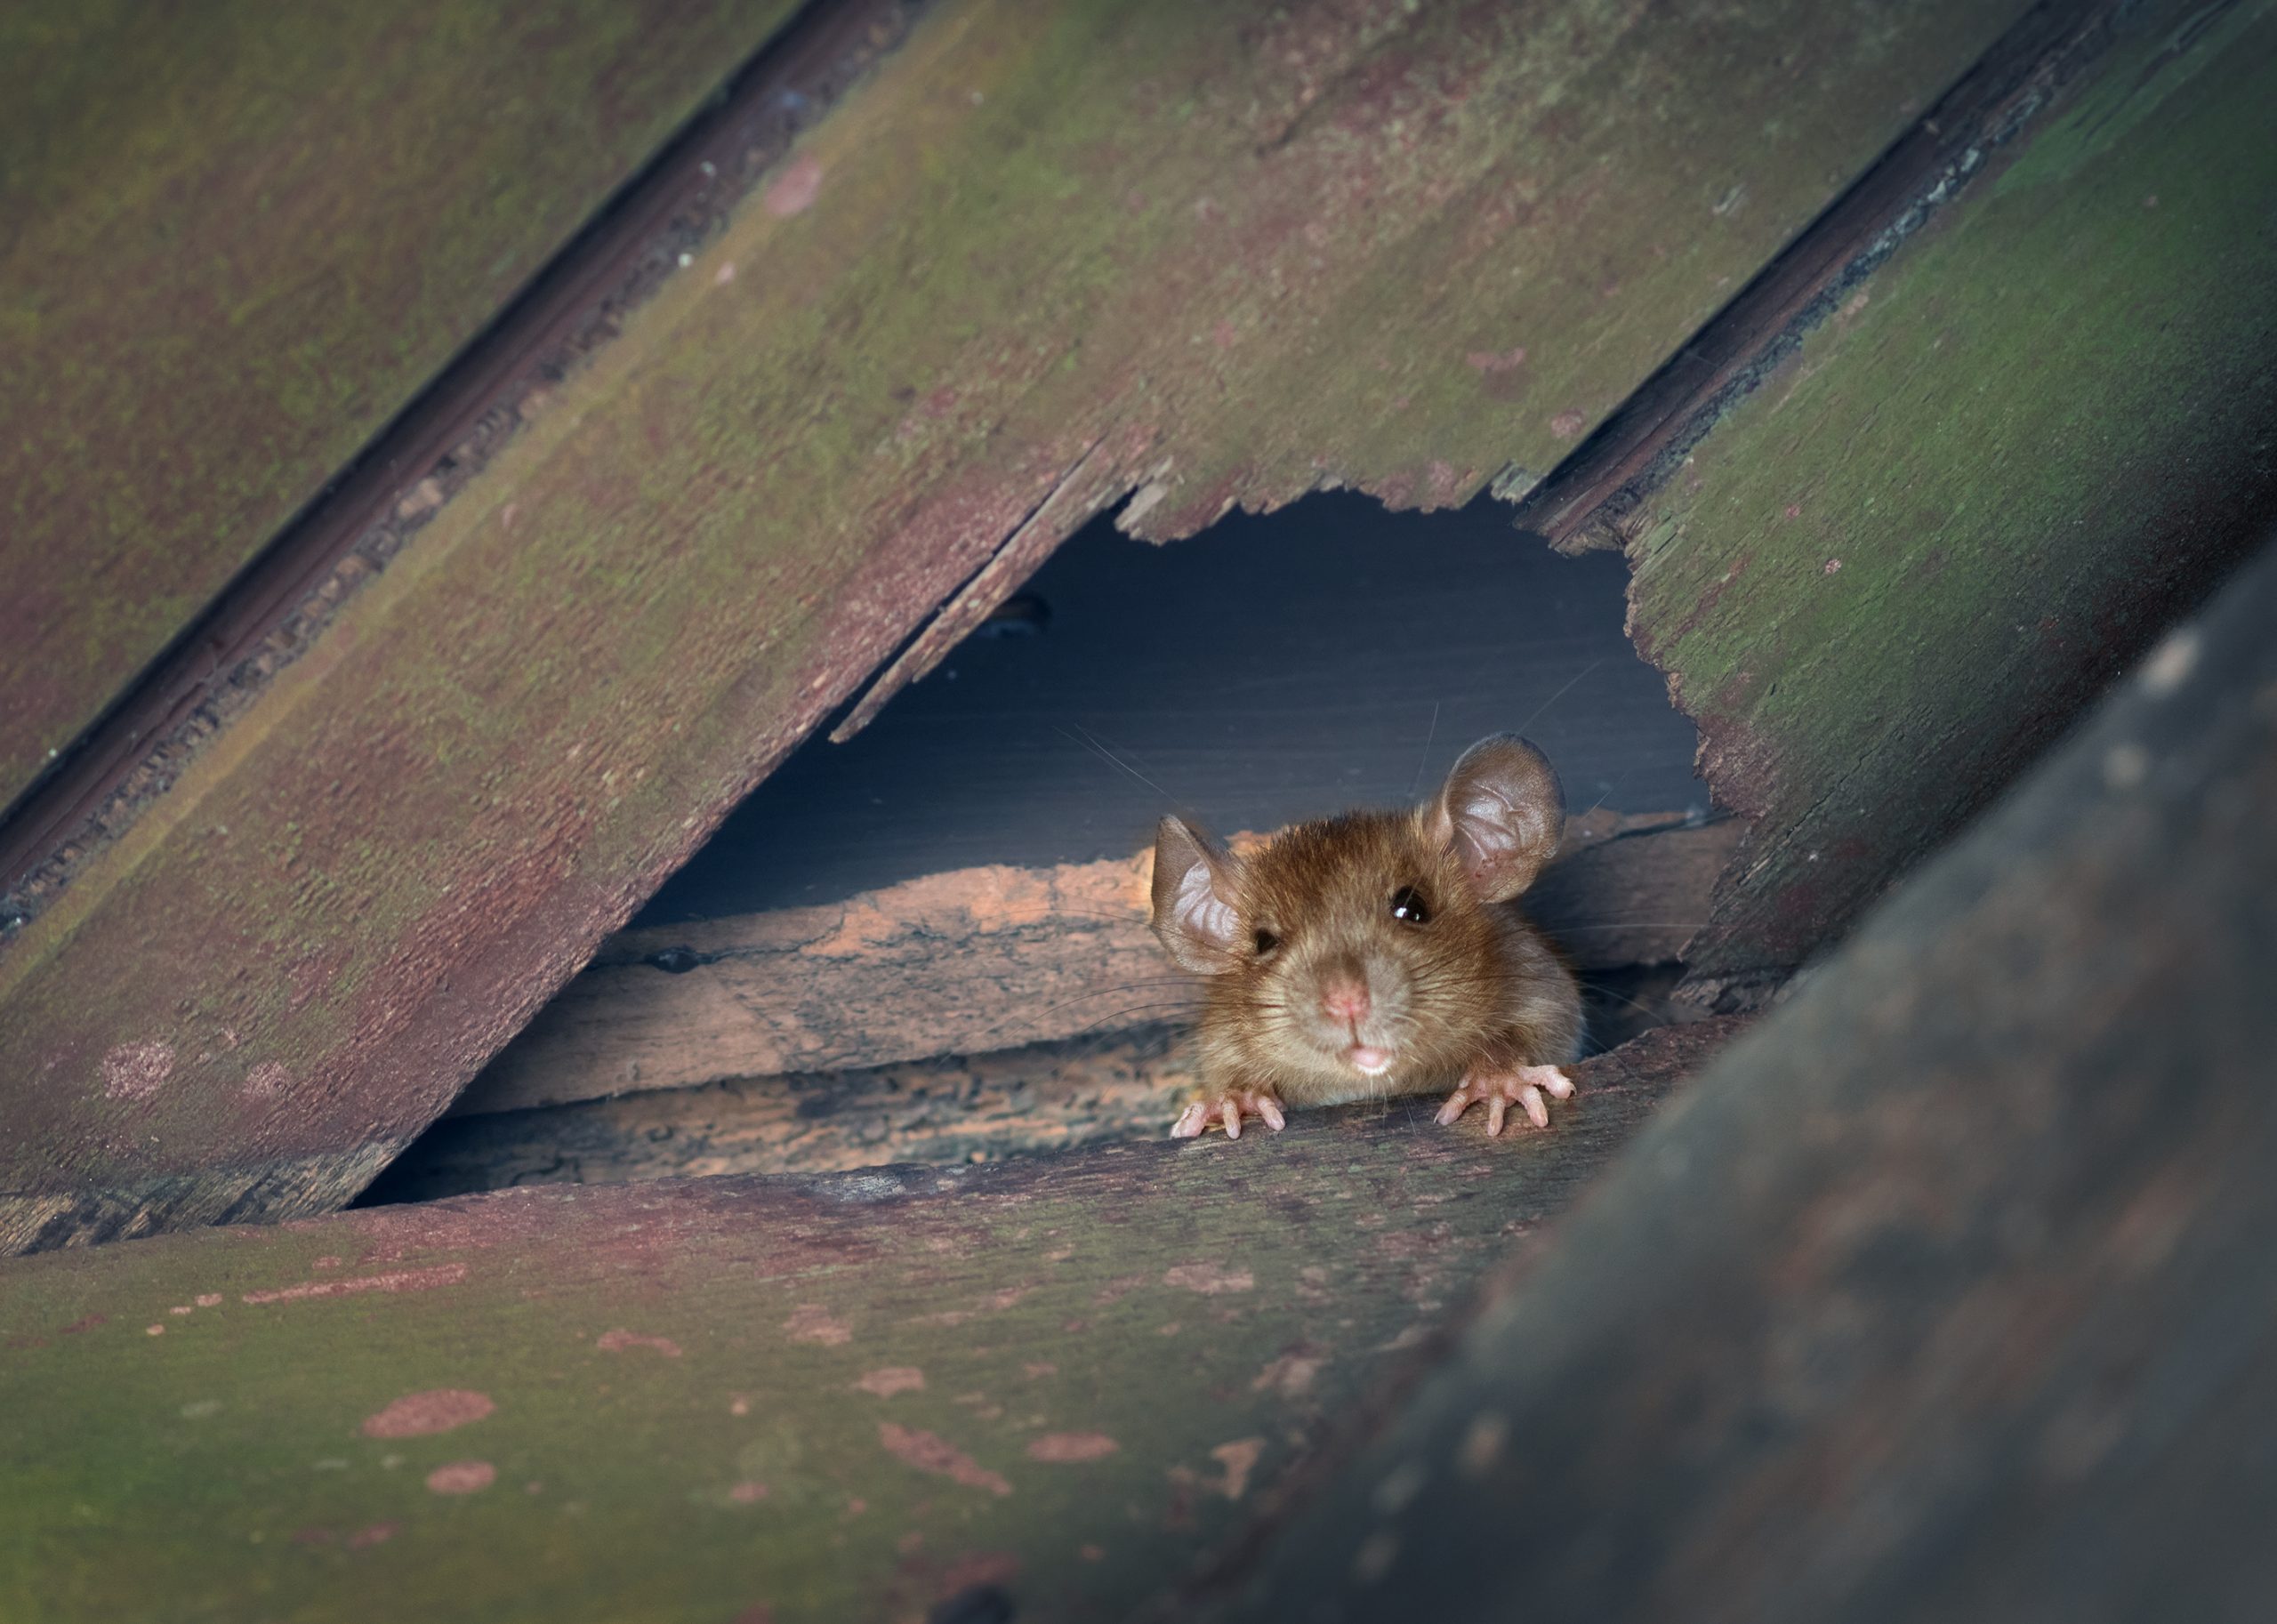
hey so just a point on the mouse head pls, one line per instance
(1365, 947)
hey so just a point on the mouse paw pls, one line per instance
(1227, 1109)
(1502, 1086)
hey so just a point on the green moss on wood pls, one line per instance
(238, 238)
(2025, 444)
(1276, 246)
(837, 1399)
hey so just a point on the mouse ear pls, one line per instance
(1194, 890)
(1502, 814)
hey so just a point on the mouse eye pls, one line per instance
(1266, 942)
(1407, 906)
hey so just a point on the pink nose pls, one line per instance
(1344, 998)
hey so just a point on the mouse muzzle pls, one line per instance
(1354, 1013)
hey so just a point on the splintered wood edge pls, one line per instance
(983, 959)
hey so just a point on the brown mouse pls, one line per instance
(1378, 953)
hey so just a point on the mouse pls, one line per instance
(1378, 953)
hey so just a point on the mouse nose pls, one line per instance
(1344, 996)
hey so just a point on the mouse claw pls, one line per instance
(1226, 1110)
(1522, 1086)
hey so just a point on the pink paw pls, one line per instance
(1229, 1109)
(1502, 1088)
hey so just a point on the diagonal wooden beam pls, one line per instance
(1237, 251)
(853, 1396)
(236, 243)
(1927, 492)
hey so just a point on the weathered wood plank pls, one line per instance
(1239, 252)
(946, 1111)
(942, 1113)
(1951, 1291)
(852, 1396)
(987, 959)
(1587, 503)
(2020, 447)
(236, 240)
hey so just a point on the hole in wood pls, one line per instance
(929, 945)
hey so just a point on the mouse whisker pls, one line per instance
(1426, 759)
(1117, 1014)
(1092, 740)
(1559, 694)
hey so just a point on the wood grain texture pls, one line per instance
(1589, 502)
(1120, 1085)
(847, 1397)
(235, 241)
(2025, 444)
(987, 959)
(1951, 1291)
(1240, 252)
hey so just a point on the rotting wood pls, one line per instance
(849, 1397)
(989, 959)
(237, 241)
(2029, 440)
(1950, 1291)
(1242, 253)
(1047, 1097)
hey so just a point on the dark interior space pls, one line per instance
(1272, 669)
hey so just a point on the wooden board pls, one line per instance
(1123, 1084)
(987, 959)
(236, 242)
(849, 1397)
(2005, 459)
(1949, 1292)
(1049, 249)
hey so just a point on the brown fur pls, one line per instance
(1475, 984)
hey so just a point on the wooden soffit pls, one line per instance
(1046, 254)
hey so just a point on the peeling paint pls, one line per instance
(1065, 1447)
(617, 1341)
(394, 1280)
(892, 1379)
(418, 1414)
(813, 1323)
(930, 1453)
(462, 1477)
(1210, 1279)
(136, 1071)
(795, 189)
